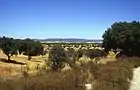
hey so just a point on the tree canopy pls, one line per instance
(9, 46)
(124, 36)
(29, 47)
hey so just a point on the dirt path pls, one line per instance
(135, 83)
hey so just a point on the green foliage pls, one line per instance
(95, 53)
(58, 57)
(124, 36)
(80, 53)
(0, 42)
(31, 48)
(72, 56)
(9, 46)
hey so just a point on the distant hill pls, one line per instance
(69, 40)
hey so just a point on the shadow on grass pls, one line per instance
(11, 61)
(35, 61)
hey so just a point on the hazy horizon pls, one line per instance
(82, 19)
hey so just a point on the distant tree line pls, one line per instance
(27, 47)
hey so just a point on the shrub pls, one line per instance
(72, 56)
(57, 56)
(96, 54)
(80, 53)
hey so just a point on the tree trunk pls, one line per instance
(29, 57)
(9, 58)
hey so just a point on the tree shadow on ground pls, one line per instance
(35, 61)
(12, 61)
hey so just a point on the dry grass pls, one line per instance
(8, 69)
(108, 75)
(114, 76)
(69, 80)
(19, 63)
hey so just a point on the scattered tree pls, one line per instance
(31, 48)
(124, 36)
(9, 47)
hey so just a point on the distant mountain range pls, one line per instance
(68, 40)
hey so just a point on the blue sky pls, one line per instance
(64, 18)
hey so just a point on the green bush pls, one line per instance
(57, 57)
(72, 56)
(95, 53)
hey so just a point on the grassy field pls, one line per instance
(18, 64)
(109, 74)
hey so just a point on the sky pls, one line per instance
(64, 18)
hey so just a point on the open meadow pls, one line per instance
(19, 64)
